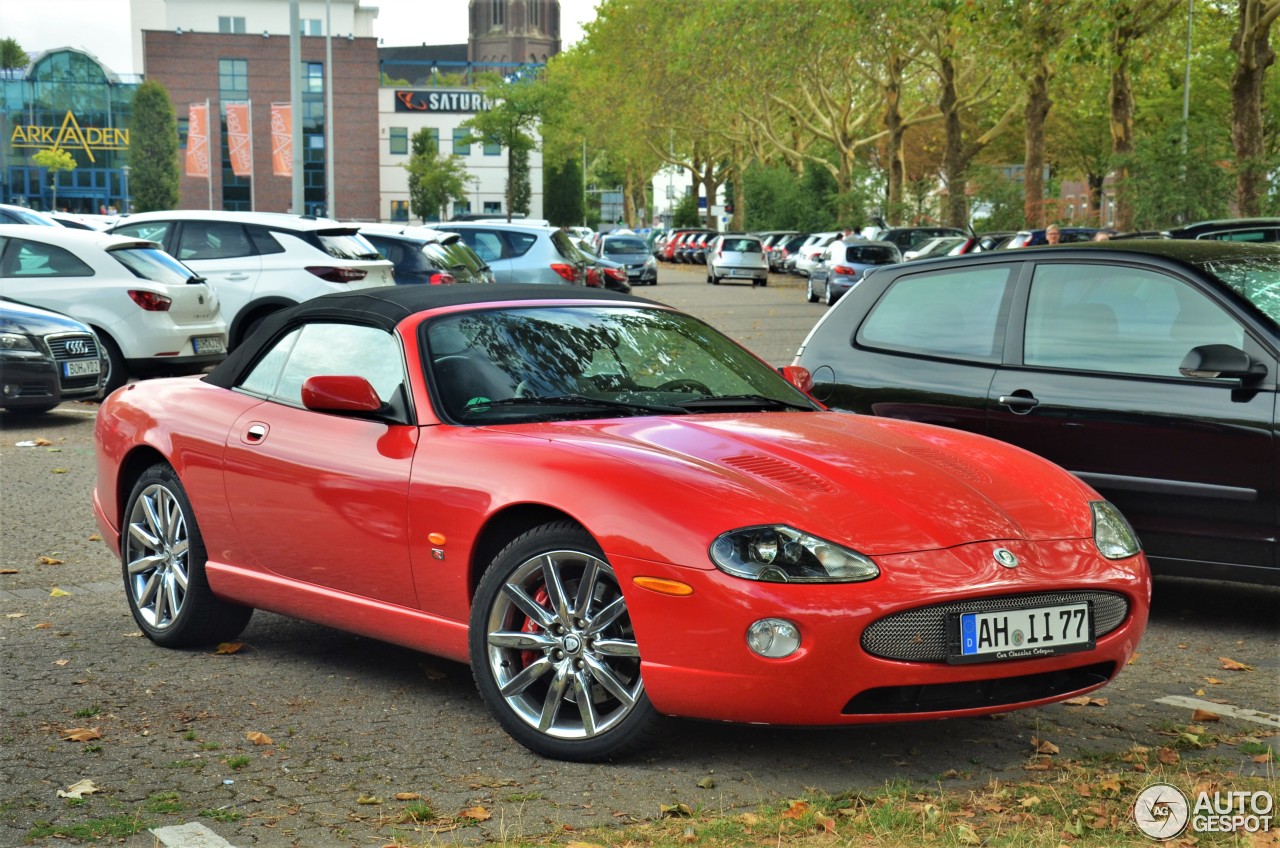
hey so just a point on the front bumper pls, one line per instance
(696, 661)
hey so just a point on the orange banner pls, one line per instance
(282, 139)
(240, 139)
(198, 140)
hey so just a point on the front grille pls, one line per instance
(977, 694)
(920, 635)
(74, 346)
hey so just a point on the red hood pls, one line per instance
(880, 485)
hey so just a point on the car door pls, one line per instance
(223, 252)
(489, 246)
(338, 483)
(922, 346)
(1092, 382)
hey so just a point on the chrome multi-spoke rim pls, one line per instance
(155, 555)
(561, 647)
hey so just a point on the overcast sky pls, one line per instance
(102, 26)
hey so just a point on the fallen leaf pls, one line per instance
(796, 810)
(15, 615)
(59, 593)
(61, 663)
(408, 796)
(368, 799)
(583, 845)
(1205, 715)
(1262, 758)
(1029, 802)
(707, 783)
(827, 824)
(228, 647)
(1213, 680)
(9, 571)
(1077, 702)
(81, 734)
(689, 835)
(48, 560)
(1044, 746)
(965, 835)
(1232, 665)
(749, 819)
(79, 789)
(477, 813)
(95, 538)
(1168, 756)
(59, 471)
(44, 625)
(33, 443)
(675, 811)
(259, 738)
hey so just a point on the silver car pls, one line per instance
(844, 264)
(737, 257)
(523, 253)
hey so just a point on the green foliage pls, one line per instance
(519, 187)
(434, 180)
(686, 213)
(153, 179)
(515, 110)
(562, 193)
(1166, 187)
(997, 201)
(12, 56)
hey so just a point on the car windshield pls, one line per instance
(151, 263)
(556, 363)
(348, 244)
(1256, 278)
(625, 246)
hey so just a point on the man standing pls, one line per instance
(1052, 234)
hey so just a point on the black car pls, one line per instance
(46, 358)
(424, 256)
(1232, 229)
(909, 238)
(1148, 368)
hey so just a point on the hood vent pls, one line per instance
(779, 471)
(947, 462)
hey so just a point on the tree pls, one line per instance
(434, 180)
(12, 56)
(520, 189)
(1254, 55)
(55, 161)
(515, 109)
(562, 193)
(154, 176)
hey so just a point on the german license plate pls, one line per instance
(209, 344)
(1020, 633)
(81, 367)
(739, 273)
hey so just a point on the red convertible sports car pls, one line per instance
(613, 513)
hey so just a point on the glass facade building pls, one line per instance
(68, 100)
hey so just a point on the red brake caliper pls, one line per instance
(530, 626)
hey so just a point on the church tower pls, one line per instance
(513, 31)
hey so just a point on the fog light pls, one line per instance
(11, 390)
(773, 638)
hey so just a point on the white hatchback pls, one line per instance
(152, 314)
(737, 257)
(261, 262)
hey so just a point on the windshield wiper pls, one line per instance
(580, 401)
(710, 403)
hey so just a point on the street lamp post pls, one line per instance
(125, 202)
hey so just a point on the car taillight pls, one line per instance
(439, 278)
(617, 274)
(846, 270)
(337, 275)
(569, 273)
(151, 301)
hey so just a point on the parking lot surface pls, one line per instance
(308, 736)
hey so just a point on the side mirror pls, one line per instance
(798, 376)
(1220, 361)
(340, 393)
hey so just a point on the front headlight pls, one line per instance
(1111, 532)
(16, 341)
(780, 554)
(651, 263)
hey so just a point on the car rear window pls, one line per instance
(743, 245)
(149, 263)
(870, 254)
(347, 244)
(625, 245)
(564, 245)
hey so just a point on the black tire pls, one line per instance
(533, 664)
(764, 283)
(162, 557)
(117, 368)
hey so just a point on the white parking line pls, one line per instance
(189, 835)
(1222, 709)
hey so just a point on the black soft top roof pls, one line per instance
(387, 306)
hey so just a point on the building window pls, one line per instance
(461, 207)
(230, 24)
(493, 207)
(312, 26)
(461, 142)
(399, 210)
(535, 14)
(233, 79)
(499, 12)
(313, 77)
(399, 141)
(492, 148)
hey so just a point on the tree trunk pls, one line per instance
(953, 158)
(1035, 114)
(1096, 182)
(1254, 54)
(896, 130)
(1121, 98)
